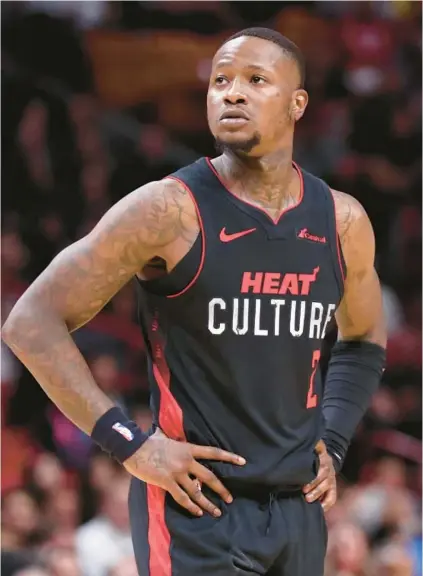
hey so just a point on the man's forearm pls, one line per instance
(354, 373)
(41, 341)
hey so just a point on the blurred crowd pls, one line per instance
(68, 154)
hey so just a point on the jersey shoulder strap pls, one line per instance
(322, 203)
(195, 176)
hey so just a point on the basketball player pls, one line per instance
(242, 262)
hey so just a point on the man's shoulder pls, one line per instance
(354, 229)
(169, 187)
(157, 209)
(348, 212)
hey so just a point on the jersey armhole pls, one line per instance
(203, 239)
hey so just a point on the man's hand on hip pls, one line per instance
(323, 487)
(173, 466)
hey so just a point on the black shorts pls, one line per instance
(277, 534)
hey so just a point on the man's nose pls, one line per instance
(235, 94)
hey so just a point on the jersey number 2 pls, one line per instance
(311, 396)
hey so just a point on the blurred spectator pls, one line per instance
(46, 474)
(125, 567)
(207, 17)
(385, 504)
(83, 14)
(405, 345)
(105, 540)
(103, 472)
(63, 510)
(393, 310)
(61, 562)
(393, 560)
(20, 519)
(369, 45)
(347, 551)
(32, 571)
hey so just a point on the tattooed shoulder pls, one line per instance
(171, 215)
(87, 274)
(157, 214)
(354, 227)
(347, 210)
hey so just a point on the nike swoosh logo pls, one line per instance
(229, 237)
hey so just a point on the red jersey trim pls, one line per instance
(338, 240)
(203, 238)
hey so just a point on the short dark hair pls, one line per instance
(290, 49)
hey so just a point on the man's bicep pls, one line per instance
(87, 274)
(360, 314)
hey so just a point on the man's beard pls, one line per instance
(238, 147)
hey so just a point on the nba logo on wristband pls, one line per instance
(123, 431)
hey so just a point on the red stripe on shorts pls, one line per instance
(158, 535)
(171, 422)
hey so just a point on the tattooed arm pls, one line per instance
(360, 314)
(155, 220)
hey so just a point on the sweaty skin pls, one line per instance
(157, 224)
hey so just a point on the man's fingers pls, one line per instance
(320, 447)
(212, 453)
(324, 473)
(319, 490)
(329, 499)
(183, 499)
(193, 489)
(207, 477)
(309, 487)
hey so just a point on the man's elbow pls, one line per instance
(377, 334)
(6, 332)
(16, 324)
(26, 319)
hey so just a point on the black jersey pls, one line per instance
(234, 332)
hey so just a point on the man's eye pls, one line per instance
(257, 80)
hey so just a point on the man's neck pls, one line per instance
(268, 180)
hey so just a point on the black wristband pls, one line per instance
(117, 435)
(336, 450)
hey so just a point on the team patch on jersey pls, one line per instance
(305, 235)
